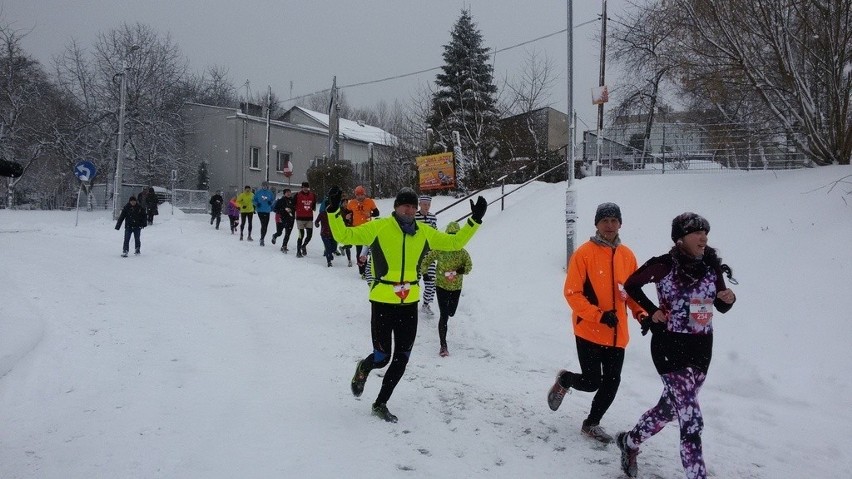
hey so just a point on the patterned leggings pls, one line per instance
(429, 286)
(679, 401)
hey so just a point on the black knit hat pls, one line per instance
(607, 210)
(406, 196)
(686, 223)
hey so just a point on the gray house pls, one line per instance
(233, 142)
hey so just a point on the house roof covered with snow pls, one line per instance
(354, 130)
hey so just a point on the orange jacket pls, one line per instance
(595, 280)
(362, 211)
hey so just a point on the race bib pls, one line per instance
(701, 310)
(402, 289)
(450, 275)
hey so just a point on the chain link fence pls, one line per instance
(191, 201)
(687, 147)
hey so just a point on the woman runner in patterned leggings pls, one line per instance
(690, 284)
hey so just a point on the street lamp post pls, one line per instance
(116, 205)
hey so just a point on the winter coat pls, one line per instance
(283, 209)
(306, 204)
(133, 216)
(233, 208)
(216, 204)
(595, 284)
(446, 272)
(395, 255)
(362, 211)
(151, 202)
(263, 200)
(322, 223)
(245, 201)
(686, 289)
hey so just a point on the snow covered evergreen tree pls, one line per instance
(465, 101)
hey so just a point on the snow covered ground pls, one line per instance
(207, 357)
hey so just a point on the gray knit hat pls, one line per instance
(607, 210)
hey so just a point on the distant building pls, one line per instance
(537, 137)
(234, 145)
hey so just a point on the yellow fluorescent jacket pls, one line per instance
(396, 255)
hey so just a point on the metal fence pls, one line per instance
(191, 201)
(687, 147)
(188, 201)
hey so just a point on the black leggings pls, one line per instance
(395, 325)
(448, 301)
(304, 238)
(601, 366)
(243, 218)
(264, 223)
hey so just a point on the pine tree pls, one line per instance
(465, 102)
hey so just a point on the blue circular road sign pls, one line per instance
(85, 170)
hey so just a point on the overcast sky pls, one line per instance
(276, 42)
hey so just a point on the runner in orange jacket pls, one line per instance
(594, 288)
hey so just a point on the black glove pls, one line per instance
(334, 196)
(117, 227)
(477, 211)
(646, 322)
(428, 278)
(609, 318)
(460, 270)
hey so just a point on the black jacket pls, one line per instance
(216, 204)
(133, 216)
(151, 202)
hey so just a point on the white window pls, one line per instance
(254, 158)
(319, 161)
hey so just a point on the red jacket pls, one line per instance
(306, 204)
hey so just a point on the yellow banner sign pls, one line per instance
(437, 172)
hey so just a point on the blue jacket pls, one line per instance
(263, 200)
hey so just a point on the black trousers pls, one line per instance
(246, 218)
(601, 372)
(448, 301)
(264, 224)
(391, 325)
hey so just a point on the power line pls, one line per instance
(404, 75)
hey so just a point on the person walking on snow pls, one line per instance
(151, 202)
(306, 203)
(216, 203)
(451, 266)
(263, 200)
(396, 244)
(134, 217)
(594, 290)
(424, 216)
(245, 201)
(690, 283)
